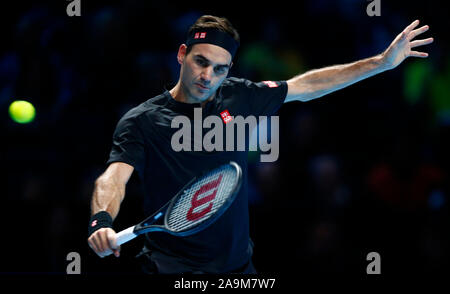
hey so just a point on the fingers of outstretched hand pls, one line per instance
(418, 54)
(417, 32)
(414, 24)
(417, 43)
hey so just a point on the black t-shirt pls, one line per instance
(143, 139)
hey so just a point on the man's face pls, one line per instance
(203, 70)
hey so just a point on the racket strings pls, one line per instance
(181, 218)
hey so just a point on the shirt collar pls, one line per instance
(185, 108)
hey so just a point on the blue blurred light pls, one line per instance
(436, 199)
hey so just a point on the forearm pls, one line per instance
(108, 195)
(317, 83)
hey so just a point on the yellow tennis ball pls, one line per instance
(22, 111)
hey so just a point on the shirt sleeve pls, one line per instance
(265, 98)
(128, 144)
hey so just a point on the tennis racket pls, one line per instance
(197, 205)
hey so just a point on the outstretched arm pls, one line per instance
(317, 83)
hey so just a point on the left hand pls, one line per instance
(401, 47)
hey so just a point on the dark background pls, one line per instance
(363, 169)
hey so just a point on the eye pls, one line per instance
(201, 62)
(220, 70)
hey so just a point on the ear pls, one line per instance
(181, 53)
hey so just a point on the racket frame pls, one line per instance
(147, 226)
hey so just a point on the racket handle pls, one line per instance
(125, 236)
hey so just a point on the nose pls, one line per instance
(206, 75)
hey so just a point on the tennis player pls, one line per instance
(142, 143)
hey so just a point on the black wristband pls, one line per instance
(99, 220)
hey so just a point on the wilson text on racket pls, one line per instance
(226, 283)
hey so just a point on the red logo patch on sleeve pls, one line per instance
(271, 84)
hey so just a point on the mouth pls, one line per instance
(201, 87)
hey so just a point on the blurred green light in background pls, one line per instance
(422, 81)
(440, 95)
(416, 80)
